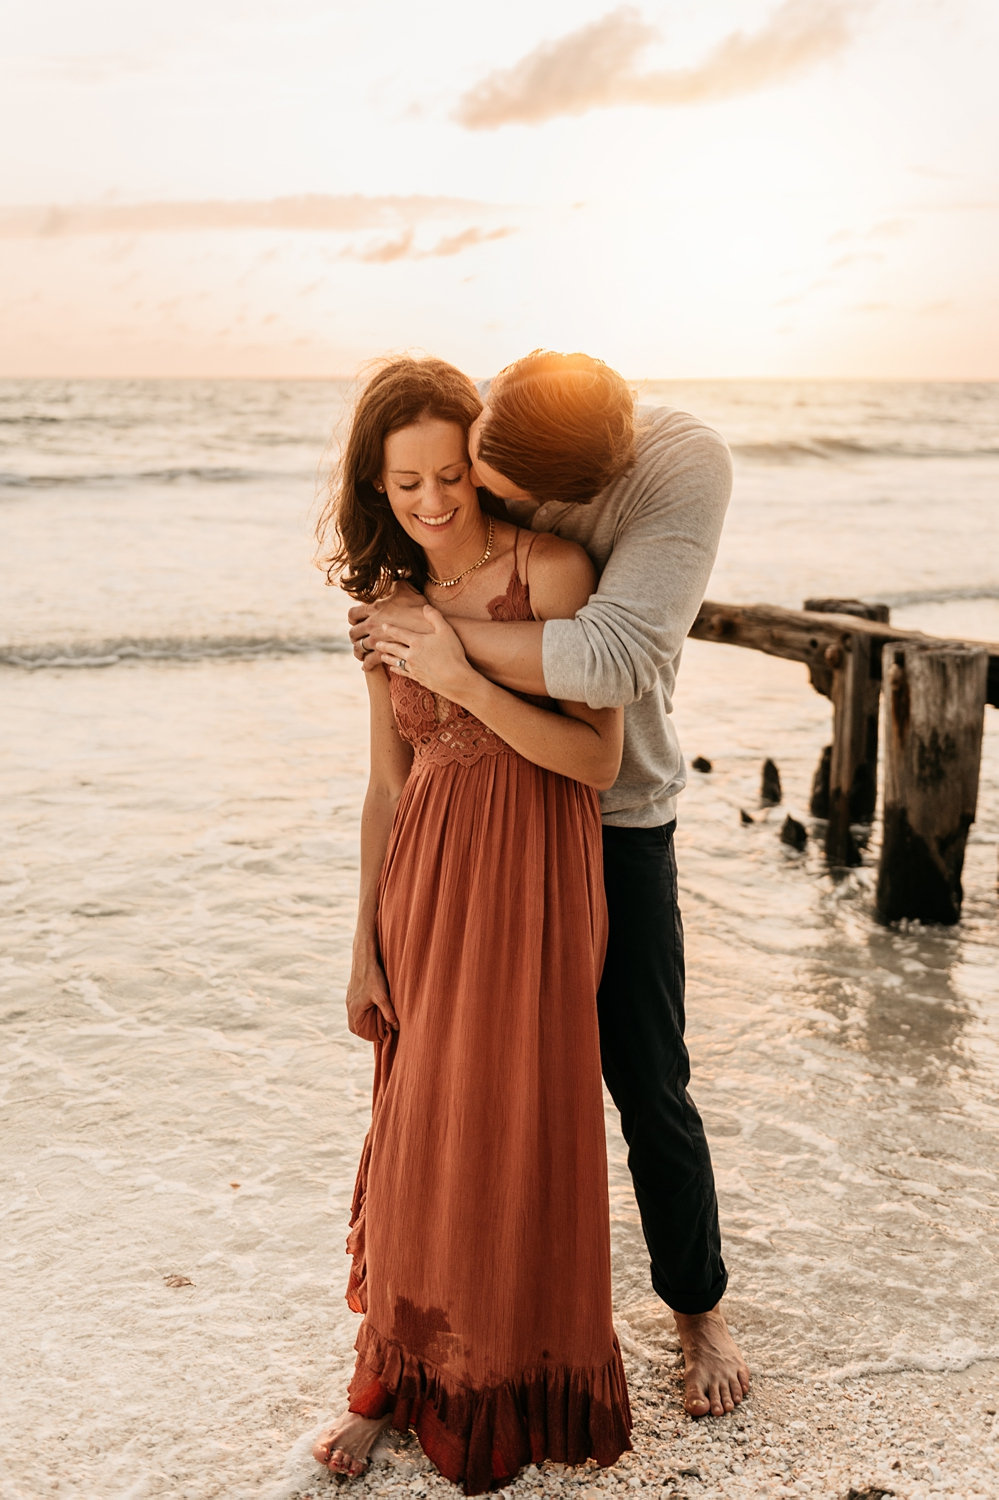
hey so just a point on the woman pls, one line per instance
(480, 1230)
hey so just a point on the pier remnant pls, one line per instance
(770, 788)
(942, 811)
(844, 789)
(935, 698)
(794, 833)
(818, 804)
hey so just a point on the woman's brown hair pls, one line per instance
(560, 426)
(361, 544)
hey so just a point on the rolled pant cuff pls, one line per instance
(692, 1303)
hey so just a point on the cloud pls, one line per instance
(310, 212)
(405, 248)
(453, 244)
(595, 67)
(385, 253)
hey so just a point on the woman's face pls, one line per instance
(425, 473)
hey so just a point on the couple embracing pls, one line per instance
(518, 926)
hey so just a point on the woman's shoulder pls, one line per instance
(558, 573)
(550, 551)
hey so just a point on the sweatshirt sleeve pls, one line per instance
(656, 575)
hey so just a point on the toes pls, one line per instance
(322, 1449)
(736, 1391)
(696, 1405)
(744, 1379)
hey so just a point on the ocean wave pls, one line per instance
(196, 473)
(71, 654)
(945, 595)
(833, 449)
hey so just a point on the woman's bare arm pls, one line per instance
(369, 1005)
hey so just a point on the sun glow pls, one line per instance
(287, 195)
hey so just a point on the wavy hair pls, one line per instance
(560, 426)
(361, 544)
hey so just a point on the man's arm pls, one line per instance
(508, 652)
(648, 596)
(612, 652)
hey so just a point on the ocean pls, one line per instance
(184, 738)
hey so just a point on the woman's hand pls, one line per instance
(434, 656)
(404, 604)
(370, 1013)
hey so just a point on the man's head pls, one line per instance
(555, 427)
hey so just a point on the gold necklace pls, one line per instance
(449, 583)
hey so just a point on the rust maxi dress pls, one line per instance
(480, 1230)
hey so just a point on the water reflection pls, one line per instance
(895, 997)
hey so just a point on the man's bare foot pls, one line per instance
(715, 1377)
(344, 1447)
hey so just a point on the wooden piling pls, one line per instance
(924, 845)
(934, 710)
(849, 675)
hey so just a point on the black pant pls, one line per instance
(647, 1069)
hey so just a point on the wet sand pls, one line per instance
(183, 1108)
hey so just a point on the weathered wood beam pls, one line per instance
(805, 636)
(934, 708)
(844, 789)
(851, 777)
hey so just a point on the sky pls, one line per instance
(749, 188)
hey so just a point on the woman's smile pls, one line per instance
(427, 478)
(437, 520)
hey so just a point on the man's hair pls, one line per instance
(559, 426)
(359, 538)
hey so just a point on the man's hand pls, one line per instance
(402, 608)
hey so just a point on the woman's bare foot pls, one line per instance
(715, 1377)
(345, 1446)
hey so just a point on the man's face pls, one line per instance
(489, 478)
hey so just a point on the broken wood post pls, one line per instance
(852, 775)
(850, 764)
(818, 805)
(934, 712)
(770, 789)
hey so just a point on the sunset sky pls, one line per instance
(288, 187)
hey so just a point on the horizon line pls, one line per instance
(630, 379)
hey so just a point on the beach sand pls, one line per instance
(907, 1434)
(184, 1108)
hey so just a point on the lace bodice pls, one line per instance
(442, 732)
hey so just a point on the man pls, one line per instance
(560, 443)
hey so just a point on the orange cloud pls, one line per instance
(404, 247)
(594, 68)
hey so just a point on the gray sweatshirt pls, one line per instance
(653, 535)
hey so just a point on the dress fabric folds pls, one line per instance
(479, 1232)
